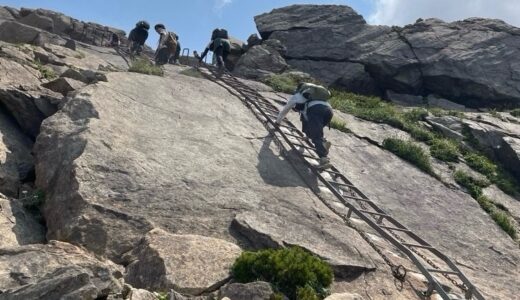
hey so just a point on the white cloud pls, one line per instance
(401, 12)
(219, 5)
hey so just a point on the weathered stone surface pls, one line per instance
(253, 40)
(187, 263)
(64, 85)
(459, 61)
(139, 294)
(36, 20)
(509, 153)
(435, 101)
(5, 14)
(267, 230)
(405, 100)
(15, 32)
(56, 270)
(450, 126)
(344, 296)
(251, 291)
(17, 226)
(113, 188)
(75, 74)
(260, 61)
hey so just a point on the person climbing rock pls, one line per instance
(220, 46)
(114, 40)
(138, 37)
(311, 101)
(167, 45)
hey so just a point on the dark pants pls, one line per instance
(318, 116)
(163, 56)
(221, 49)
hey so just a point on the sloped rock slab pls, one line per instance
(258, 290)
(17, 226)
(272, 231)
(187, 263)
(344, 296)
(64, 85)
(55, 271)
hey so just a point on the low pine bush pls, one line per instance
(339, 124)
(292, 271)
(410, 152)
(144, 66)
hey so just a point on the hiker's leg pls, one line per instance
(219, 53)
(314, 129)
(162, 57)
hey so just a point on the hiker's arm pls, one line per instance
(204, 54)
(295, 99)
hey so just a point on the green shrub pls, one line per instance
(496, 174)
(306, 293)
(481, 164)
(445, 150)
(410, 152)
(45, 72)
(485, 203)
(416, 114)
(285, 82)
(144, 66)
(286, 269)
(504, 221)
(515, 113)
(473, 185)
(339, 124)
(419, 133)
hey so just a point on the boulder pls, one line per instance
(56, 270)
(509, 154)
(449, 126)
(64, 85)
(259, 61)
(5, 14)
(457, 61)
(404, 99)
(237, 49)
(36, 20)
(15, 32)
(268, 230)
(139, 294)
(434, 101)
(17, 226)
(253, 40)
(258, 290)
(75, 74)
(189, 264)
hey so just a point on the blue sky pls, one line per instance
(194, 20)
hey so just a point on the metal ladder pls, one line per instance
(410, 244)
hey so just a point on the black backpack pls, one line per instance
(219, 33)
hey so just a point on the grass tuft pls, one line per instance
(515, 113)
(144, 66)
(410, 152)
(444, 149)
(339, 124)
(45, 72)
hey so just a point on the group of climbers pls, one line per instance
(310, 100)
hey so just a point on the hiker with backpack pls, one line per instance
(220, 46)
(137, 37)
(311, 100)
(174, 60)
(167, 45)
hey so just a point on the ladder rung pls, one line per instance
(332, 172)
(374, 213)
(395, 228)
(340, 184)
(309, 156)
(296, 136)
(418, 246)
(304, 146)
(443, 272)
(357, 199)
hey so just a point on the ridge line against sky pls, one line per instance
(194, 20)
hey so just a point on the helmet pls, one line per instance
(159, 26)
(143, 24)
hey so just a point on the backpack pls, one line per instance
(219, 33)
(143, 24)
(171, 41)
(311, 92)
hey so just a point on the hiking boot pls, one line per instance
(324, 163)
(327, 145)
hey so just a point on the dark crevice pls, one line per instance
(403, 38)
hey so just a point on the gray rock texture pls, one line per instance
(251, 291)
(189, 264)
(471, 62)
(64, 85)
(55, 271)
(17, 226)
(259, 61)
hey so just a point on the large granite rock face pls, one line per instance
(189, 264)
(259, 61)
(56, 271)
(472, 62)
(133, 155)
(17, 226)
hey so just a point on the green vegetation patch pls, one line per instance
(444, 149)
(292, 271)
(475, 188)
(144, 66)
(192, 72)
(45, 72)
(410, 152)
(339, 124)
(286, 82)
(515, 113)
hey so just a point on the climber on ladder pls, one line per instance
(311, 101)
(220, 46)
